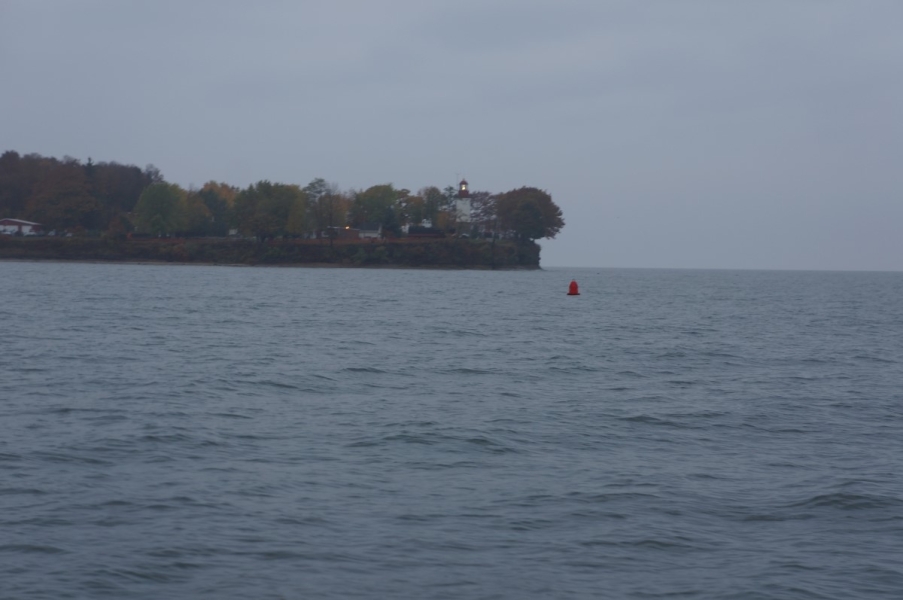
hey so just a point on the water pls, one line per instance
(215, 432)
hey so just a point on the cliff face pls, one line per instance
(449, 253)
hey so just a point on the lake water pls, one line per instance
(217, 432)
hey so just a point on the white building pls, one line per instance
(19, 227)
(463, 209)
(370, 231)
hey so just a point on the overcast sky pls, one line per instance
(672, 133)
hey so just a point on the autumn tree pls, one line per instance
(316, 189)
(390, 223)
(153, 174)
(60, 199)
(327, 206)
(529, 213)
(15, 185)
(161, 209)
(449, 198)
(66, 194)
(297, 214)
(432, 202)
(263, 209)
(484, 214)
(370, 205)
(116, 187)
(196, 215)
(218, 198)
(411, 210)
(440, 206)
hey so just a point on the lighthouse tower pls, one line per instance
(463, 208)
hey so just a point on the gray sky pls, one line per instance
(694, 133)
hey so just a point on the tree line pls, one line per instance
(107, 197)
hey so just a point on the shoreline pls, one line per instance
(268, 265)
(389, 254)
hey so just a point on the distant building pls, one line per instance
(370, 231)
(341, 233)
(463, 208)
(19, 227)
(407, 228)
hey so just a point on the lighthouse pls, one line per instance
(463, 209)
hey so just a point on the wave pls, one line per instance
(847, 501)
(650, 420)
(468, 371)
(451, 443)
(31, 549)
(22, 492)
(875, 359)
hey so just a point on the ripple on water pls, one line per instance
(268, 433)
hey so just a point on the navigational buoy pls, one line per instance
(572, 289)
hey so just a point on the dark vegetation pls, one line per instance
(448, 252)
(110, 211)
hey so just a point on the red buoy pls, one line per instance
(572, 289)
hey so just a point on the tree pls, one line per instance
(411, 210)
(297, 215)
(433, 200)
(370, 205)
(161, 210)
(446, 202)
(64, 194)
(316, 189)
(484, 215)
(60, 198)
(14, 184)
(117, 187)
(391, 226)
(529, 213)
(327, 206)
(153, 174)
(219, 199)
(197, 215)
(263, 209)
(449, 198)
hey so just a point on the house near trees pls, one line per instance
(19, 227)
(370, 231)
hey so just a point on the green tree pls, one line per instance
(263, 209)
(391, 226)
(484, 213)
(218, 198)
(197, 215)
(433, 201)
(161, 209)
(327, 206)
(117, 188)
(297, 215)
(370, 205)
(316, 189)
(244, 208)
(411, 210)
(529, 213)
(153, 174)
